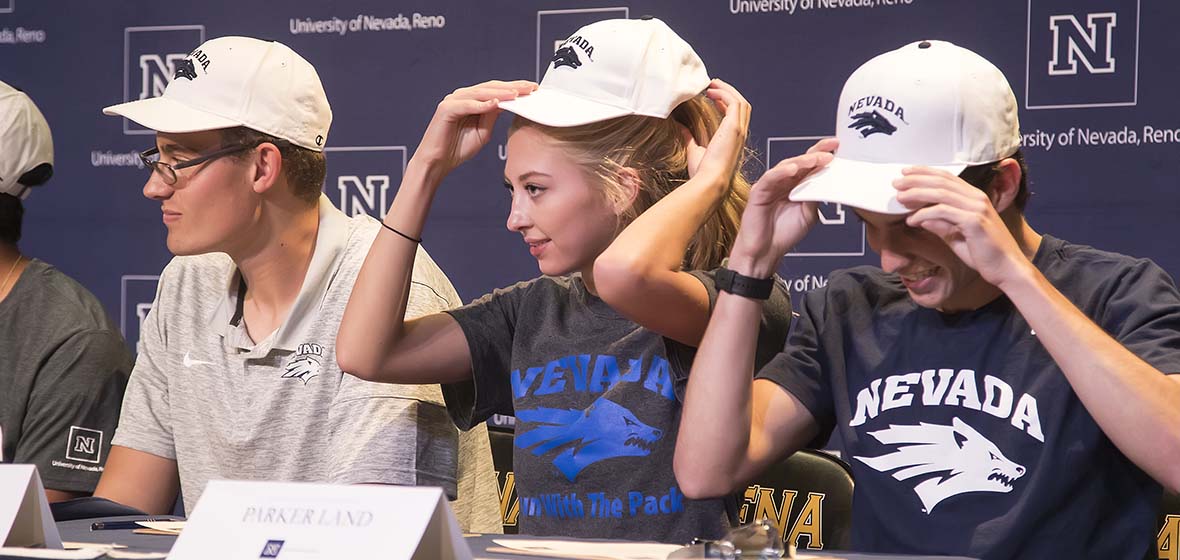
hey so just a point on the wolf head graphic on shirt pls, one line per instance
(955, 460)
(605, 430)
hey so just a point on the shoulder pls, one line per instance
(427, 275)
(208, 265)
(66, 305)
(1085, 267)
(193, 283)
(1058, 252)
(540, 289)
(857, 287)
(64, 293)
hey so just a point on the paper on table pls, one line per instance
(173, 527)
(84, 554)
(622, 551)
(136, 555)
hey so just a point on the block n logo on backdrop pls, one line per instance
(363, 179)
(150, 55)
(1082, 53)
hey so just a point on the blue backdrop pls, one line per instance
(1096, 81)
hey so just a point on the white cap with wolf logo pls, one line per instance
(928, 103)
(239, 81)
(613, 68)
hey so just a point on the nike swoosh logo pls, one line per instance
(189, 362)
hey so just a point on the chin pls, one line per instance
(181, 249)
(935, 299)
(929, 301)
(549, 267)
(549, 270)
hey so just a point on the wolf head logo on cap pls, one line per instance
(565, 56)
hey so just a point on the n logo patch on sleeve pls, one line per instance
(85, 445)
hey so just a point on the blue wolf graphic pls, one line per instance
(605, 430)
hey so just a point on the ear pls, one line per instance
(268, 167)
(631, 183)
(1005, 185)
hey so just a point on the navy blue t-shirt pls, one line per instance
(963, 434)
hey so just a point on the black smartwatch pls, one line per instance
(745, 286)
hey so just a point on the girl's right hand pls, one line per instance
(462, 123)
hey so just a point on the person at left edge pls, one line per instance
(236, 375)
(63, 363)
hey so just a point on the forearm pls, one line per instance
(1133, 403)
(374, 320)
(657, 239)
(713, 443)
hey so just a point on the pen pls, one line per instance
(115, 525)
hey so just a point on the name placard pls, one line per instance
(25, 519)
(303, 521)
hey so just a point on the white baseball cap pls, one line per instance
(614, 68)
(928, 103)
(25, 140)
(239, 81)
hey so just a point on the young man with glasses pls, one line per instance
(236, 375)
(63, 363)
(999, 393)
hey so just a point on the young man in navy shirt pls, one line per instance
(993, 388)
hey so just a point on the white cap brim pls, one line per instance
(166, 115)
(859, 184)
(553, 107)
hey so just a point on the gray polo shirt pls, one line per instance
(224, 407)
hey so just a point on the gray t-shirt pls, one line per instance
(63, 369)
(597, 402)
(206, 395)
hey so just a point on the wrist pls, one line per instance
(728, 280)
(426, 172)
(747, 265)
(1021, 276)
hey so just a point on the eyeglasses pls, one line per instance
(167, 171)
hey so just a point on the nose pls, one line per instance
(888, 244)
(156, 189)
(518, 216)
(891, 261)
